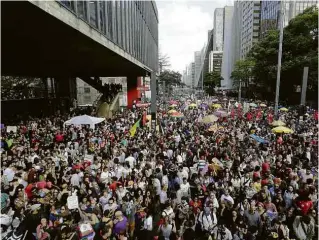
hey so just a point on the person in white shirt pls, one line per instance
(206, 221)
(226, 197)
(148, 225)
(182, 173)
(185, 188)
(104, 176)
(165, 179)
(75, 179)
(156, 184)
(131, 160)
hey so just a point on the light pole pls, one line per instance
(239, 91)
(281, 35)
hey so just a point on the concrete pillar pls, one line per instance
(66, 91)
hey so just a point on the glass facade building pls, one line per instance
(132, 25)
(270, 13)
(250, 27)
(218, 29)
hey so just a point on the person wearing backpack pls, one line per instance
(205, 222)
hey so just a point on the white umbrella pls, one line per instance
(84, 120)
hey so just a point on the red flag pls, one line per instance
(316, 115)
(232, 113)
(270, 118)
(144, 118)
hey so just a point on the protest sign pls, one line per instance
(73, 202)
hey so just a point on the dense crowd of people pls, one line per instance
(190, 180)
(110, 91)
(20, 94)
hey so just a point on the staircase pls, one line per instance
(103, 108)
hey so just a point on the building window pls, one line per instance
(87, 90)
(93, 13)
(69, 4)
(102, 16)
(82, 9)
(87, 99)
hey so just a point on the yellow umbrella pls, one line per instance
(192, 105)
(216, 105)
(284, 109)
(209, 119)
(173, 105)
(278, 123)
(263, 105)
(282, 129)
(172, 111)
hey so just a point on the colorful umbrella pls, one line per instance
(282, 129)
(172, 111)
(209, 119)
(220, 113)
(284, 109)
(177, 115)
(216, 105)
(278, 123)
(173, 102)
(258, 139)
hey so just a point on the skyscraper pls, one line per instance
(198, 65)
(227, 51)
(250, 25)
(269, 17)
(218, 29)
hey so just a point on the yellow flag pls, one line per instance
(134, 127)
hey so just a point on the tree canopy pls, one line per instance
(212, 80)
(300, 49)
(171, 78)
(243, 72)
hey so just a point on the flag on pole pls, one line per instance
(144, 119)
(134, 127)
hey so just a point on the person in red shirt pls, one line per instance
(114, 184)
(59, 137)
(195, 204)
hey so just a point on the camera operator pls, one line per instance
(220, 232)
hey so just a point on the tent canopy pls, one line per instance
(84, 120)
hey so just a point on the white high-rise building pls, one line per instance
(218, 29)
(198, 65)
(215, 61)
(227, 59)
(250, 25)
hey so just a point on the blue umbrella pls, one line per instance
(258, 139)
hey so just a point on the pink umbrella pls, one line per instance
(220, 113)
(173, 102)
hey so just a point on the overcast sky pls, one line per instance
(183, 28)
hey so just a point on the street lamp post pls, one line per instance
(281, 35)
(239, 91)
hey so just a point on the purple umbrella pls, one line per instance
(220, 113)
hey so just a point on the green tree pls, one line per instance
(170, 78)
(212, 80)
(300, 49)
(243, 72)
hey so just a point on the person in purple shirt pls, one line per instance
(120, 223)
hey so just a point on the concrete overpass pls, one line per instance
(68, 39)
